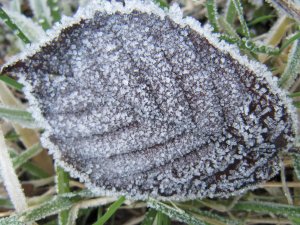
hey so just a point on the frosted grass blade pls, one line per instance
(174, 213)
(251, 45)
(239, 10)
(26, 155)
(293, 66)
(30, 28)
(55, 10)
(228, 28)
(62, 188)
(230, 12)
(212, 14)
(41, 13)
(16, 115)
(6, 19)
(111, 210)
(290, 40)
(269, 207)
(10, 179)
(52, 207)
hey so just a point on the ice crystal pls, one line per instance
(139, 101)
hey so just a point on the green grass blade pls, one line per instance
(162, 219)
(162, 3)
(111, 210)
(290, 40)
(268, 207)
(295, 221)
(52, 207)
(251, 46)
(174, 213)
(210, 217)
(296, 104)
(55, 10)
(228, 28)
(261, 19)
(29, 167)
(11, 82)
(293, 95)
(41, 13)
(26, 155)
(6, 203)
(31, 29)
(16, 115)
(212, 14)
(62, 187)
(6, 19)
(230, 13)
(293, 67)
(34, 170)
(150, 217)
(240, 13)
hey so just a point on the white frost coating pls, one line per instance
(10, 178)
(32, 30)
(287, 7)
(163, 116)
(150, 7)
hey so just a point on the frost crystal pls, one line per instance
(138, 101)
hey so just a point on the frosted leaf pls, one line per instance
(138, 101)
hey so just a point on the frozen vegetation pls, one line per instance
(142, 102)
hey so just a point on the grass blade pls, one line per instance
(268, 207)
(260, 19)
(41, 13)
(228, 28)
(11, 82)
(6, 203)
(162, 3)
(31, 29)
(293, 67)
(250, 45)
(55, 10)
(62, 187)
(111, 210)
(10, 179)
(26, 155)
(240, 13)
(52, 207)
(290, 40)
(34, 170)
(210, 217)
(174, 213)
(6, 19)
(29, 167)
(212, 14)
(230, 12)
(162, 219)
(150, 217)
(293, 95)
(16, 115)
